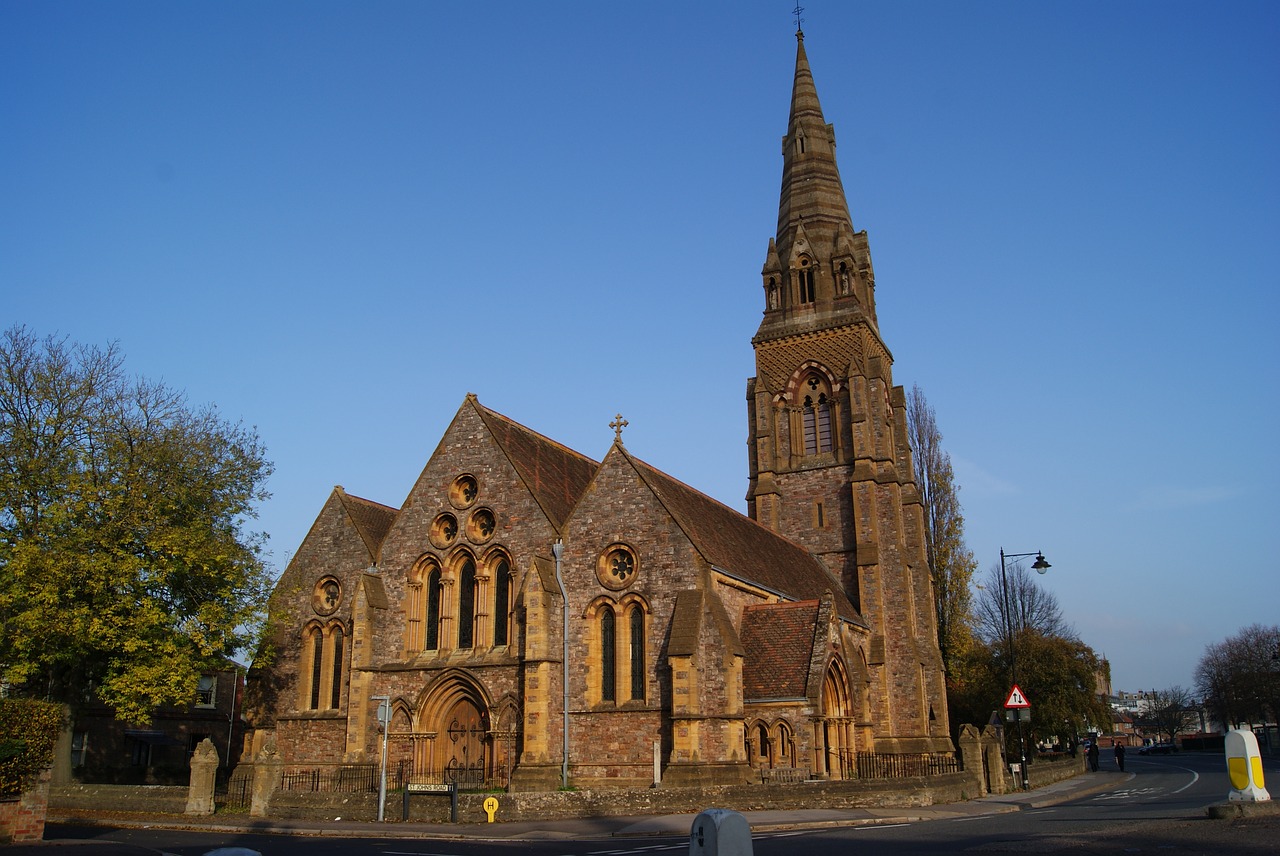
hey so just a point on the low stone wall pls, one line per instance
(554, 805)
(154, 799)
(1046, 771)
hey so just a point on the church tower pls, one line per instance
(830, 464)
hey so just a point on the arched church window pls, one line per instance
(317, 664)
(466, 602)
(434, 590)
(322, 658)
(608, 655)
(335, 690)
(637, 653)
(501, 600)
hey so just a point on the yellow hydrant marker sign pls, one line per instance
(1244, 767)
(491, 807)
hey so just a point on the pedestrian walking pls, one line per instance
(1093, 755)
(1118, 747)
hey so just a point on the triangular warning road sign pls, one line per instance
(1016, 698)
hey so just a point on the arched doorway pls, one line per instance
(454, 719)
(835, 738)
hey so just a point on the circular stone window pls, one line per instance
(463, 491)
(327, 596)
(444, 530)
(616, 568)
(480, 526)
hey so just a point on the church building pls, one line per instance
(534, 618)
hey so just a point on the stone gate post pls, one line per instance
(266, 778)
(971, 758)
(204, 774)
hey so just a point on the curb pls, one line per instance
(632, 827)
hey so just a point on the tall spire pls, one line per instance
(811, 189)
(817, 270)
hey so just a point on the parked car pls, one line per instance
(1158, 749)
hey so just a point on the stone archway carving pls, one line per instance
(834, 738)
(454, 713)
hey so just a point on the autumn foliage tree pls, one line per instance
(1018, 619)
(951, 562)
(125, 565)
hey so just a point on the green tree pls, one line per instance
(125, 567)
(1019, 623)
(1058, 674)
(951, 562)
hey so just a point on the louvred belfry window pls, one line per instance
(816, 414)
(807, 291)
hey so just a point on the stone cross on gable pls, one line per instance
(617, 425)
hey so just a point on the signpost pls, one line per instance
(1019, 710)
(441, 788)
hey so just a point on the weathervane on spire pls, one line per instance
(796, 11)
(617, 425)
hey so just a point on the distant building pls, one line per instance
(698, 644)
(99, 748)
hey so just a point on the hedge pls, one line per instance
(28, 731)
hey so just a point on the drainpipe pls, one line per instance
(557, 550)
(231, 720)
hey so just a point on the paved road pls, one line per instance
(1158, 805)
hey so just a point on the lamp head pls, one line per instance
(1041, 566)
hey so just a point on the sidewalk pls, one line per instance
(592, 827)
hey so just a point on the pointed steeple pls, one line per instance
(811, 189)
(817, 269)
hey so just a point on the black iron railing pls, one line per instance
(878, 765)
(341, 779)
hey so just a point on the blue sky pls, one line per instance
(333, 220)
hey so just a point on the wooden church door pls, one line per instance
(463, 747)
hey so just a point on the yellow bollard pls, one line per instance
(1244, 767)
(491, 807)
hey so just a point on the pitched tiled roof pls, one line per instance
(556, 475)
(743, 548)
(778, 640)
(686, 620)
(372, 519)
(686, 624)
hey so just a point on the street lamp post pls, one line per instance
(1040, 566)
